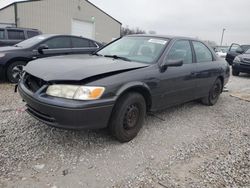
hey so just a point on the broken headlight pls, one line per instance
(75, 92)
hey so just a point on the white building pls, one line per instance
(77, 17)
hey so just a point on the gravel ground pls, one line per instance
(190, 145)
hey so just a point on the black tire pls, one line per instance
(128, 117)
(235, 72)
(14, 70)
(214, 94)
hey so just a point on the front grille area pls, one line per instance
(246, 60)
(33, 83)
(40, 116)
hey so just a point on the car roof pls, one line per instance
(163, 36)
(61, 35)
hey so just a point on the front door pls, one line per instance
(57, 46)
(178, 84)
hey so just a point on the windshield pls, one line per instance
(31, 41)
(140, 49)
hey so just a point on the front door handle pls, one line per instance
(194, 73)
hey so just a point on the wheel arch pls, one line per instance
(9, 62)
(138, 87)
(221, 78)
(15, 60)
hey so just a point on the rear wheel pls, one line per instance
(128, 117)
(235, 72)
(214, 94)
(14, 71)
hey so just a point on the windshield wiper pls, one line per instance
(117, 57)
(96, 54)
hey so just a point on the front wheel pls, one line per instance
(128, 117)
(14, 71)
(213, 94)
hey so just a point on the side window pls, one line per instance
(203, 54)
(59, 42)
(2, 35)
(32, 34)
(16, 35)
(92, 44)
(235, 47)
(181, 50)
(80, 43)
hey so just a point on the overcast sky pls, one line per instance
(196, 18)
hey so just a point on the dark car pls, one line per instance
(120, 83)
(12, 35)
(234, 50)
(241, 63)
(14, 58)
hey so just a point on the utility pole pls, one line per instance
(223, 31)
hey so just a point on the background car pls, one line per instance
(12, 35)
(234, 50)
(241, 63)
(125, 79)
(14, 58)
(221, 51)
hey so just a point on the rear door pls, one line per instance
(83, 46)
(207, 68)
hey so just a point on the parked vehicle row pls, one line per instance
(117, 85)
(241, 63)
(235, 50)
(14, 58)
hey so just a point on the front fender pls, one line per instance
(131, 85)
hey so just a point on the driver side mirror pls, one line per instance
(172, 63)
(42, 47)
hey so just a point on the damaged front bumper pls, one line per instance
(68, 114)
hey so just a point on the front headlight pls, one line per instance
(237, 59)
(75, 92)
(2, 55)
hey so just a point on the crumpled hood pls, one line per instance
(77, 67)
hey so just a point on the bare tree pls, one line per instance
(152, 32)
(127, 31)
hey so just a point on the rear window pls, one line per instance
(32, 34)
(80, 43)
(92, 44)
(2, 34)
(16, 35)
(203, 54)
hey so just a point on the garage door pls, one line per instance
(82, 28)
